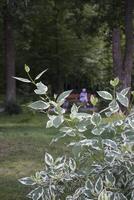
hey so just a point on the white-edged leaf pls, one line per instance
(59, 110)
(59, 166)
(78, 193)
(74, 109)
(39, 75)
(69, 197)
(98, 131)
(104, 195)
(93, 143)
(36, 194)
(61, 98)
(99, 185)
(110, 179)
(74, 112)
(113, 106)
(58, 120)
(131, 122)
(49, 124)
(49, 159)
(108, 114)
(72, 164)
(122, 99)
(96, 119)
(39, 105)
(132, 194)
(89, 185)
(105, 95)
(110, 143)
(68, 130)
(41, 88)
(125, 91)
(120, 196)
(27, 181)
(25, 80)
(130, 167)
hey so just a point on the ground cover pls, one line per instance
(23, 141)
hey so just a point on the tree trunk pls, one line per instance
(123, 68)
(116, 50)
(59, 87)
(9, 59)
(129, 48)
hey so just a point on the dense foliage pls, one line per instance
(102, 163)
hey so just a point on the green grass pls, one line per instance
(23, 142)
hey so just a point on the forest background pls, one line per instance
(82, 43)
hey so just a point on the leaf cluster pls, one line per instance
(102, 167)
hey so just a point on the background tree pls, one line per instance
(8, 10)
(119, 17)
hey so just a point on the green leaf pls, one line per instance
(93, 100)
(99, 185)
(122, 99)
(27, 181)
(49, 159)
(27, 69)
(39, 75)
(36, 194)
(39, 105)
(25, 80)
(132, 92)
(41, 88)
(61, 98)
(113, 106)
(105, 95)
(96, 119)
(114, 82)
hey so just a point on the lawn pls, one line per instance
(23, 141)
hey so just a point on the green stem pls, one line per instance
(31, 79)
(114, 93)
(104, 110)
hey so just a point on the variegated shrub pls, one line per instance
(102, 165)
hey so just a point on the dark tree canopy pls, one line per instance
(82, 43)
